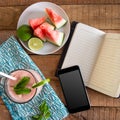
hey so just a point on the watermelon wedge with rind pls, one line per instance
(39, 30)
(34, 23)
(54, 36)
(56, 19)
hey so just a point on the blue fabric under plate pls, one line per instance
(13, 56)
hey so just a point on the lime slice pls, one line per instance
(35, 43)
(24, 32)
(41, 83)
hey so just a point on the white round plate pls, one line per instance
(37, 10)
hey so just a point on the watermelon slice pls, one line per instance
(34, 23)
(54, 36)
(39, 30)
(39, 33)
(46, 25)
(56, 19)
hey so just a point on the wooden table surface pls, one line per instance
(102, 14)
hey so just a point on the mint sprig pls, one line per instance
(21, 88)
(44, 112)
(22, 91)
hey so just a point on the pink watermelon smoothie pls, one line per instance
(19, 74)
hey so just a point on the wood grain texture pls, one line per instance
(95, 113)
(99, 16)
(4, 113)
(102, 14)
(59, 2)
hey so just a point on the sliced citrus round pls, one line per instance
(35, 43)
(24, 32)
(43, 82)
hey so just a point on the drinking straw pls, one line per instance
(7, 76)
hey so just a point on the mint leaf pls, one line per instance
(42, 106)
(41, 117)
(45, 109)
(47, 115)
(22, 91)
(20, 87)
(44, 112)
(22, 83)
(36, 116)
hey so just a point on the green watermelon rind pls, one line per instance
(60, 24)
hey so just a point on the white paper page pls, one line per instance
(106, 73)
(83, 49)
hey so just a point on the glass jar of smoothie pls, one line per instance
(19, 74)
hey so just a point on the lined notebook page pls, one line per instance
(83, 49)
(106, 74)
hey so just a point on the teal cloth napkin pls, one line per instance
(12, 56)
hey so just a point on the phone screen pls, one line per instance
(73, 89)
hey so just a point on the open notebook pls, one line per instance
(98, 55)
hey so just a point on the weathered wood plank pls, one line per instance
(59, 2)
(9, 17)
(95, 113)
(1, 102)
(47, 64)
(4, 113)
(4, 35)
(100, 16)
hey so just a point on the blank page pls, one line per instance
(106, 73)
(83, 49)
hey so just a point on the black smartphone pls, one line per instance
(73, 89)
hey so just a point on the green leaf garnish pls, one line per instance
(44, 110)
(41, 117)
(36, 116)
(22, 91)
(23, 82)
(20, 87)
(47, 115)
(40, 83)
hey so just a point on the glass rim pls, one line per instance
(6, 89)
